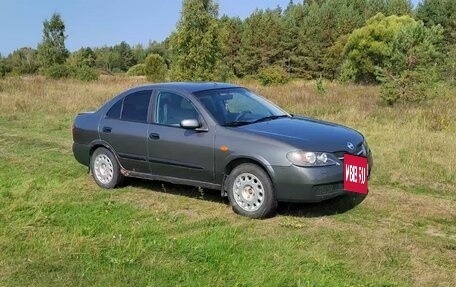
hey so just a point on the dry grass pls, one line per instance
(36, 94)
(414, 145)
(54, 220)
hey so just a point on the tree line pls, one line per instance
(51, 57)
(384, 42)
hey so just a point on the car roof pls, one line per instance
(190, 87)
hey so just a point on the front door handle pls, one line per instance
(154, 136)
(107, 129)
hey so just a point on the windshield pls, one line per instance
(238, 106)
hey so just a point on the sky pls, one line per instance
(94, 23)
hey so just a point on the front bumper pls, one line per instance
(307, 184)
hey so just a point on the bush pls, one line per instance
(410, 73)
(369, 47)
(86, 74)
(155, 68)
(409, 86)
(136, 70)
(348, 72)
(58, 71)
(117, 71)
(320, 86)
(2, 69)
(274, 75)
(449, 68)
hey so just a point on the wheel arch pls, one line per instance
(97, 144)
(100, 143)
(235, 162)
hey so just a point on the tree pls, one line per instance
(161, 48)
(196, 52)
(449, 69)
(312, 47)
(398, 52)
(253, 44)
(442, 12)
(82, 63)
(23, 61)
(368, 47)
(84, 57)
(261, 41)
(139, 53)
(104, 58)
(409, 73)
(155, 68)
(231, 33)
(293, 17)
(125, 56)
(107, 59)
(342, 17)
(52, 50)
(375, 7)
(4, 69)
(312, 42)
(398, 7)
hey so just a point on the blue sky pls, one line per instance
(103, 22)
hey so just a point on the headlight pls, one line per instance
(308, 158)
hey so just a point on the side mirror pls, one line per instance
(190, 124)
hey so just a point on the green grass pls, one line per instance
(57, 228)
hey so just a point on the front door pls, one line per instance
(175, 151)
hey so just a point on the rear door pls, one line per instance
(125, 128)
(175, 151)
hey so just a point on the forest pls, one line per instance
(406, 49)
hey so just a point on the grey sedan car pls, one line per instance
(216, 136)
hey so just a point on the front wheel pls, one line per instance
(105, 169)
(251, 192)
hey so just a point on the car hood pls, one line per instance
(307, 133)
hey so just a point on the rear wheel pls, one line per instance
(251, 192)
(105, 169)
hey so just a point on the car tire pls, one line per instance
(251, 192)
(105, 168)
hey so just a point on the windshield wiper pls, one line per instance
(242, 123)
(236, 123)
(269, 118)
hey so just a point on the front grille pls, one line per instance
(340, 155)
(360, 150)
(325, 190)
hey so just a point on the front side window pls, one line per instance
(136, 106)
(235, 106)
(172, 109)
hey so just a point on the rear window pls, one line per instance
(114, 111)
(136, 106)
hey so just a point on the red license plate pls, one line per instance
(356, 170)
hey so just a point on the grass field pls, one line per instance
(57, 228)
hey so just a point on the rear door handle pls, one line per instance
(107, 129)
(154, 136)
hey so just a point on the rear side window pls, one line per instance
(114, 111)
(136, 107)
